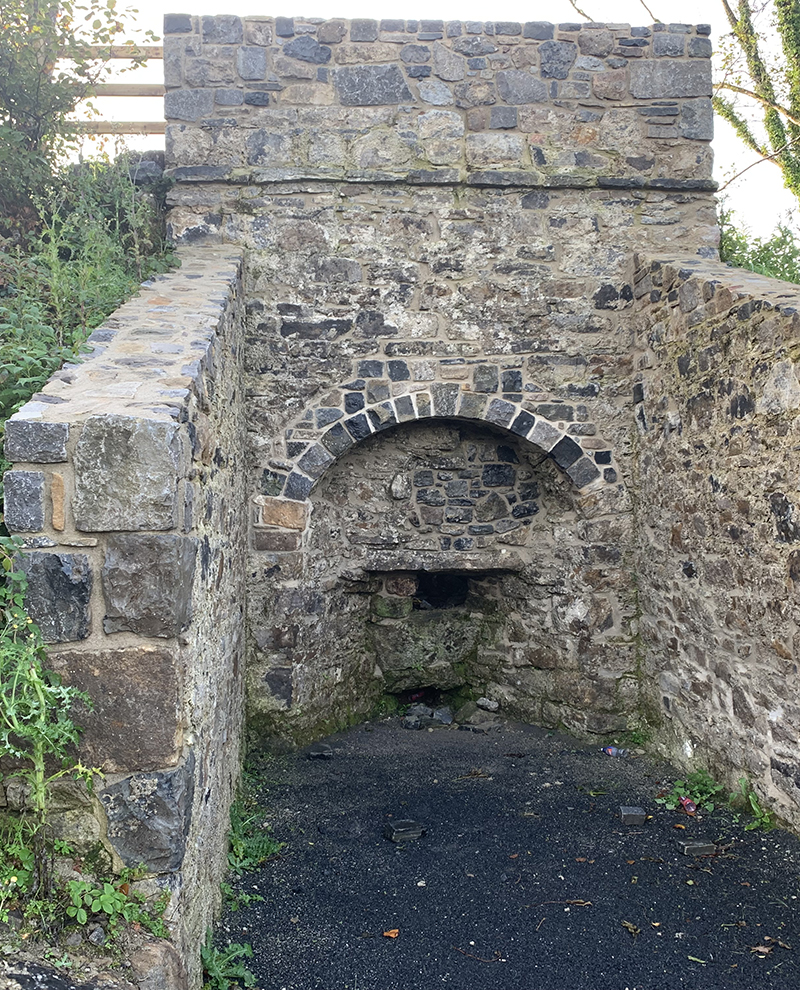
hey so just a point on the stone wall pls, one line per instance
(440, 222)
(447, 429)
(128, 490)
(718, 427)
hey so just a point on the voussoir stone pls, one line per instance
(126, 474)
(147, 583)
(133, 724)
(371, 85)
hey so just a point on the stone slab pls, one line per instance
(58, 594)
(126, 474)
(147, 584)
(134, 722)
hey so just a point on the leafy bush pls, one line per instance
(777, 256)
(38, 92)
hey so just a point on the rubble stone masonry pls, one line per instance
(451, 392)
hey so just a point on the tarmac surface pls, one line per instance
(525, 876)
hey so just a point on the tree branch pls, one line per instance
(764, 158)
(762, 100)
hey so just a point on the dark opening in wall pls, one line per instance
(441, 590)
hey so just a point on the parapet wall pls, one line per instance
(717, 408)
(128, 490)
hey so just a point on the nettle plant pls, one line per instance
(37, 736)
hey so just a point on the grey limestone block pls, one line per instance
(518, 86)
(188, 104)
(24, 501)
(556, 58)
(149, 816)
(371, 85)
(58, 594)
(34, 442)
(362, 29)
(147, 583)
(224, 29)
(251, 62)
(126, 474)
(657, 79)
(307, 49)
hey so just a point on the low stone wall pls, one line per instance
(128, 489)
(718, 432)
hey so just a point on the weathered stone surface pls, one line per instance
(58, 594)
(134, 721)
(306, 49)
(251, 62)
(556, 58)
(188, 104)
(149, 815)
(285, 513)
(519, 86)
(371, 85)
(670, 80)
(34, 442)
(447, 64)
(158, 966)
(126, 474)
(147, 584)
(24, 501)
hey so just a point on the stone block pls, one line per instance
(566, 452)
(669, 45)
(363, 29)
(277, 540)
(610, 85)
(663, 79)
(490, 148)
(538, 30)
(147, 584)
(631, 815)
(518, 86)
(371, 85)
(126, 474)
(391, 608)
(556, 58)
(134, 722)
(284, 27)
(331, 32)
(158, 966)
(224, 29)
(447, 64)
(697, 120)
(177, 24)
(32, 442)
(251, 62)
(583, 472)
(58, 595)
(444, 399)
(284, 513)
(57, 496)
(24, 501)
(307, 49)
(188, 104)
(258, 31)
(149, 816)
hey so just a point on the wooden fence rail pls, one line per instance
(135, 53)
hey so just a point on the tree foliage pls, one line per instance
(761, 72)
(39, 89)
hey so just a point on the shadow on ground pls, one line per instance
(525, 876)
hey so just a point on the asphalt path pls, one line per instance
(525, 877)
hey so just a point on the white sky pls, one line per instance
(758, 198)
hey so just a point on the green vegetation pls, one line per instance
(701, 788)
(38, 92)
(777, 256)
(223, 968)
(758, 90)
(37, 736)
